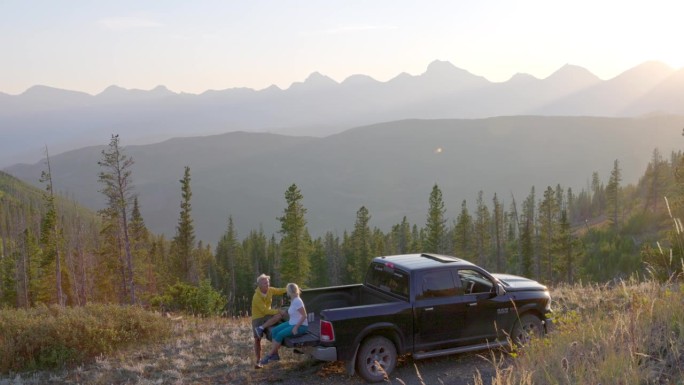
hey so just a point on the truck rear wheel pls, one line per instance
(376, 359)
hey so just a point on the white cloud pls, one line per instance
(129, 22)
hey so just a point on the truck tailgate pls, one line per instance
(311, 337)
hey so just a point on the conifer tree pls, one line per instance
(463, 233)
(184, 241)
(548, 223)
(498, 233)
(50, 235)
(597, 198)
(655, 177)
(255, 249)
(482, 231)
(360, 253)
(118, 188)
(416, 239)
(227, 252)
(613, 194)
(527, 235)
(295, 246)
(399, 238)
(435, 226)
(333, 251)
(319, 265)
(568, 250)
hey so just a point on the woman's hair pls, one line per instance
(292, 289)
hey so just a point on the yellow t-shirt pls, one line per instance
(261, 303)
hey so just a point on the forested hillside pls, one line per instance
(389, 168)
(555, 234)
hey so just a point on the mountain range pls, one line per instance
(65, 120)
(390, 168)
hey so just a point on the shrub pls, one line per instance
(200, 300)
(52, 337)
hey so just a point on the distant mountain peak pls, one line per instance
(440, 66)
(318, 78)
(161, 90)
(522, 77)
(314, 81)
(573, 74)
(359, 79)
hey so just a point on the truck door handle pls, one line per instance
(429, 309)
(472, 304)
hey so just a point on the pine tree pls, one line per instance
(482, 231)
(548, 224)
(568, 250)
(184, 241)
(147, 273)
(401, 237)
(527, 235)
(319, 265)
(655, 176)
(50, 235)
(613, 194)
(227, 252)
(255, 249)
(295, 249)
(498, 233)
(333, 252)
(361, 252)
(118, 188)
(463, 233)
(435, 226)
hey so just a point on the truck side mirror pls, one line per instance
(499, 289)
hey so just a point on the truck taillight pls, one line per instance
(327, 332)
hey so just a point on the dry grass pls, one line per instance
(201, 351)
(627, 333)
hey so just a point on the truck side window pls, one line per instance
(438, 284)
(475, 282)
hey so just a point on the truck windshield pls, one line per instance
(388, 279)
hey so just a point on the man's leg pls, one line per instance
(257, 350)
(272, 321)
(257, 339)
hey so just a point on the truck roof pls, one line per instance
(410, 262)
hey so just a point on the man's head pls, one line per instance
(263, 281)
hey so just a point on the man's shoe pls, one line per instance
(274, 357)
(258, 366)
(264, 361)
(259, 331)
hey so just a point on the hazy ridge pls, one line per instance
(389, 168)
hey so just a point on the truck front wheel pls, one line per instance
(527, 327)
(376, 359)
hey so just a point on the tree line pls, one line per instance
(54, 252)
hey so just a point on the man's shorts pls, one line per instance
(258, 322)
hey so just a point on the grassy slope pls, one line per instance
(631, 332)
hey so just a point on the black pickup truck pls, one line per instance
(424, 304)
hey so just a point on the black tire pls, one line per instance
(376, 358)
(527, 327)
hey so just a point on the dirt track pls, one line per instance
(459, 369)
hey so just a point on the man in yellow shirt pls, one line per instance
(263, 315)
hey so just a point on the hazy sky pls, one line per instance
(193, 46)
